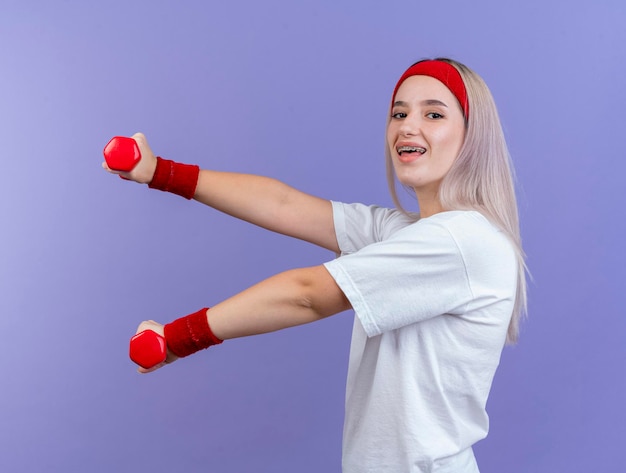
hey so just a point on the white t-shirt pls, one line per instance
(433, 300)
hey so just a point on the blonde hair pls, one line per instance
(481, 178)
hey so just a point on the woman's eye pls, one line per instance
(398, 115)
(434, 115)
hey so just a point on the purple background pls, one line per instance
(297, 91)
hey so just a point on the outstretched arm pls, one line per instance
(262, 201)
(270, 204)
(295, 297)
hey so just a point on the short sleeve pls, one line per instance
(359, 225)
(415, 274)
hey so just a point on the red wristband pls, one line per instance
(177, 178)
(190, 334)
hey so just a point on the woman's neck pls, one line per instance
(428, 201)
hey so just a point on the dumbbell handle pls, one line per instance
(122, 153)
(148, 349)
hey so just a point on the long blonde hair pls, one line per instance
(481, 178)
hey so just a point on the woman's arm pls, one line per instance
(262, 201)
(270, 204)
(295, 297)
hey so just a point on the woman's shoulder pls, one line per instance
(462, 220)
(475, 235)
(470, 230)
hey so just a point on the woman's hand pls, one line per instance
(143, 172)
(158, 328)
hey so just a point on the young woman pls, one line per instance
(436, 294)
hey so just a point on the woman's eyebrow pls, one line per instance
(428, 102)
(434, 102)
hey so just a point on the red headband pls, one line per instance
(444, 72)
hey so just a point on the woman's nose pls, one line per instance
(410, 125)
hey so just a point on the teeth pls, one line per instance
(411, 149)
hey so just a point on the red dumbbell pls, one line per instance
(148, 349)
(122, 153)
